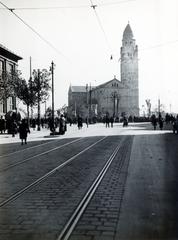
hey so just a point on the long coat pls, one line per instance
(23, 130)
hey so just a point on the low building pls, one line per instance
(8, 64)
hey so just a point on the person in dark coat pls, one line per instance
(2, 125)
(13, 128)
(154, 121)
(33, 124)
(23, 130)
(161, 123)
(125, 122)
(62, 125)
(80, 122)
(111, 121)
(107, 121)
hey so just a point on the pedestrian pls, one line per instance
(62, 125)
(33, 124)
(125, 122)
(80, 122)
(13, 128)
(23, 130)
(176, 124)
(161, 123)
(86, 120)
(111, 121)
(107, 121)
(154, 121)
(2, 125)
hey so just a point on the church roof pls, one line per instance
(128, 32)
(83, 88)
(113, 80)
(78, 88)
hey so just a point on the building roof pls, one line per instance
(83, 88)
(78, 88)
(5, 52)
(128, 32)
(120, 84)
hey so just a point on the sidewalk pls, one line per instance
(98, 129)
(44, 134)
(150, 204)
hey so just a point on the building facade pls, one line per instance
(114, 98)
(8, 64)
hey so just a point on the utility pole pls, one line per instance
(90, 102)
(52, 73)
(38, 128)
(31, 91)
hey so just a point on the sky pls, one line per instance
(80, 44)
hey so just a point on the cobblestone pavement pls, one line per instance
(30, 171)
(41, 212)
(138, 201)
(99, 221)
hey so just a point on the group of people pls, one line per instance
(157, 121)
(169, 119)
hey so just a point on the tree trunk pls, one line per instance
(28, 114)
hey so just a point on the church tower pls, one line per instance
(129, 73)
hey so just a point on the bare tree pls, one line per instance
(41, 87)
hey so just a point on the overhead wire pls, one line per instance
(159, 45)
(63, 7)
(81, 6)
(102, 28)
(32, 29)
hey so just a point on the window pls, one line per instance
(11, 68)
(1, 66)
(13, 103)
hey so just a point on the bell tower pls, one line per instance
(129, 72)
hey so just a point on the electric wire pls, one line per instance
(102, 28)
(32, 29)
(63, 7)
(159, 45)
(98, 19)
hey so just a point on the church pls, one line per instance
(115, 98)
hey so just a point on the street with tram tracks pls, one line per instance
(94, 186)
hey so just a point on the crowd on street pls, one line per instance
(59, 125)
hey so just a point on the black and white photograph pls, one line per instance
(88, 120)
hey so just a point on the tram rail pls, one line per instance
(70, 225)
(37, 155)
(28, 148)
(48, 174)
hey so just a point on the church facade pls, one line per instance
(115, 98)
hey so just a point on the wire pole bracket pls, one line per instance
(93, 6)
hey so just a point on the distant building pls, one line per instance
(8, 63)
(114, 98)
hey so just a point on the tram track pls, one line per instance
(37, 155)
(47, 175)
(26, 149)
(42, 208)
(71, 223)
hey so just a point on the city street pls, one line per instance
(96, 183)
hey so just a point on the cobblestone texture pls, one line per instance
(20, 176)
(41, 212)
(99, 220)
